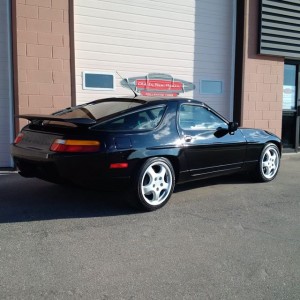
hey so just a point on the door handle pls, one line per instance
(188, 138)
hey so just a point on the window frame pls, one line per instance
(202, 92)
(204, 107)
(84, 87)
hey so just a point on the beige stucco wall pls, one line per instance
(42, 56)
(262, 79)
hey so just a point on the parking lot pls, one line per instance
(226, 238)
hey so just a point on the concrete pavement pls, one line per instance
(226, 238)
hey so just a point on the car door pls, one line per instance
(209, 147)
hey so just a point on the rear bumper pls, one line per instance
(90, 169)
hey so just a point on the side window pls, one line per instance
(194, 117)
(141, 120)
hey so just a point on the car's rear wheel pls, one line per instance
(269, 163)
(154, 183)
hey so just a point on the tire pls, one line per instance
(269, 163)
(154, 184)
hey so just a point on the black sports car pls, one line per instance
(150, 144)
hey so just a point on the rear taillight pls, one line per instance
(19, 138)
(60, 145)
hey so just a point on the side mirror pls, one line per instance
(232, 127)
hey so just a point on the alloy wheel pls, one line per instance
(157, 183)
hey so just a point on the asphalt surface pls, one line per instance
(227, 238)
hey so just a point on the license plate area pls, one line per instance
(38, 140)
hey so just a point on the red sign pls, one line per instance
(158, 85)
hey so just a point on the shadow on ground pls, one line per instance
(23, 200)
(33, 200)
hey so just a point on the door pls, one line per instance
(209, 147)
(289, 106)
(6, 99)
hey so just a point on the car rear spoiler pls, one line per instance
(75, 121)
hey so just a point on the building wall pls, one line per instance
(42, 39)
(42, 62)
(262, 79)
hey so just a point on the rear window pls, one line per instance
(100, 109)
(140, 120)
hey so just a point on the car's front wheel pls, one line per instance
(154, 183)
(269, 163)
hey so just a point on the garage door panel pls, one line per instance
(101, 33)
(136, 51)
(132, 25)
(129, 58)
(111, 41)
(125, 68)
(125, 12)
(189, 5)
(187, 8)
(104, 16)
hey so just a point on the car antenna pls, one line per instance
(126, 80)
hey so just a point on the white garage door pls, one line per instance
(6, 101)
(152, 43)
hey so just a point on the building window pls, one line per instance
(289, 87)
(211, 87)
(98, 81)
